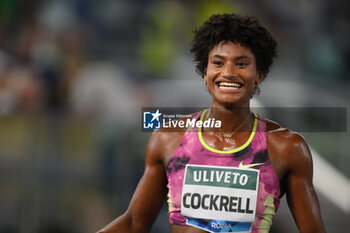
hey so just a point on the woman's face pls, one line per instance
(231, 74)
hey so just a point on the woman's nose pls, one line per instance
(229, 71)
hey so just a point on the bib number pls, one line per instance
(220, 199)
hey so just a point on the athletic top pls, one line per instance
(214, 169)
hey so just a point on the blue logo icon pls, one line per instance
(151, 120)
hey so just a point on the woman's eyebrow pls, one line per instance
(243, 57)
(236, 58)
(217, 56)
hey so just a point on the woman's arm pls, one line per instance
(301, 196)
(149, 195)
(292, 162)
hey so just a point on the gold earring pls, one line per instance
(256, 89)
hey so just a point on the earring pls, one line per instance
(256, 89)
(205, 82)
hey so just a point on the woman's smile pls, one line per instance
(229, 87)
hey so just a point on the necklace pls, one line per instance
(228, 136)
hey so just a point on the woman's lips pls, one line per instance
(229, 86)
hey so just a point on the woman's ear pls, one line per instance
(259, 78)
(205, 76)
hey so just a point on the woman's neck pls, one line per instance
(232, 119)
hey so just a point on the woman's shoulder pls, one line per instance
(164, 141)
(285, 143)
(282, 134)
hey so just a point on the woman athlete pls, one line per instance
(231, 179)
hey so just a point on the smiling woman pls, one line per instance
(231, 74)
(230, 179)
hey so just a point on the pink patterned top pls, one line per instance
(194, 150)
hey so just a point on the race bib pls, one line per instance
(220, 199)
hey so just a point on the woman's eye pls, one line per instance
(218, 63)
(242, 64)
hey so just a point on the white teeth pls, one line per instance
(238, 85)
(228, 88)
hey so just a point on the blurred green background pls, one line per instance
(74, 75)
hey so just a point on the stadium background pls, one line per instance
(74, 75)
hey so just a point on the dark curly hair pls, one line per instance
(245, 30)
